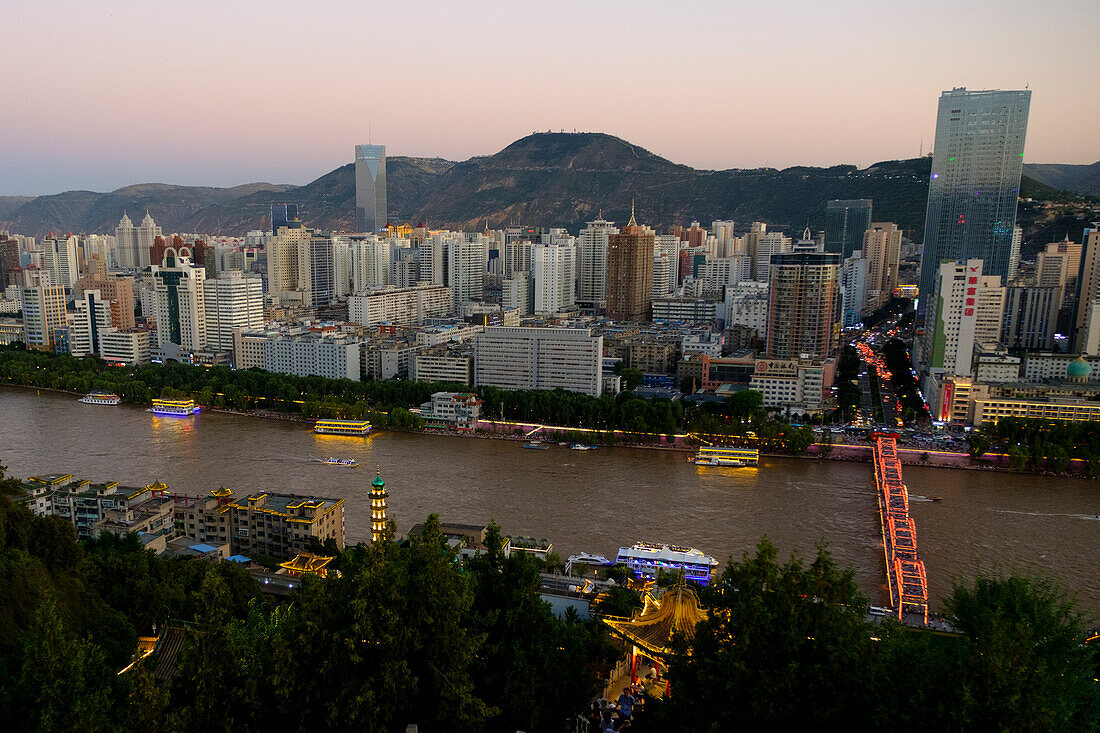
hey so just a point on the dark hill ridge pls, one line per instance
(547, 179)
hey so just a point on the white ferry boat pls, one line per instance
(342, 427)
(345, 462)
(582, 446)
(101, 398)
(647, 559)
(174, 408)
(718, 456)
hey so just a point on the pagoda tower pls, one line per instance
(378, 508)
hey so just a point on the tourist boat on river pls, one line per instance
(343, 462)
(174, 408)
(101, 398)
(647, 559)
(719, 456)
(342, 427)
(582, 446)
(536, 445)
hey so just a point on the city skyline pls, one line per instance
(858, 94)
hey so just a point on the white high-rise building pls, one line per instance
(1014, 254)
(553, 268)
(126, 244)
(746, 304)
(966, 308)
(853, 290)
(342, 267)
(723, 233)
(371, 262)
(301, 267)
(539, 358)
(400, 306)
(517, 257)
(44, 315)
(144, 236)
(232, 301)
(88, 321)
(716, 274)
(768, 244)
(59, 258)
(516, 293)
(181, 303)
(592, 261)
(467, 265)
(882, 250)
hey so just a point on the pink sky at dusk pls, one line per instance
(100, 94)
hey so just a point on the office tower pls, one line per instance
(592, 262)
(881, 247)
(44, 318)
(803, 304)
(553, 270)
(301, 267)
(59, 258)
(845, 223)
(232, 301)
(284, 215)
(768, 244)
(126, 243)
(539, 358)
(853, 286)
(370, 188)
(1057, 265)
(91, 317)
(180, 302)
(9, 259)
(145, 236)
(630, 272)
(1031, 317)
(467, 264)
(1088, 277)
(723, 233)
(966, 308)
(976, 168)
(317, 271)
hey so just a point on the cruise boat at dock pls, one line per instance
(647, 559)
(719, 456)
(101, 398)
(174, 408)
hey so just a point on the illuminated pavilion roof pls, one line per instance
(652, 628)
(307, 563)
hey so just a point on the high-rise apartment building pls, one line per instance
(592, 262)
(966, 308)
(370, 188)
(9, 259)
(845, 223)
(232, 301)
(803, 305)
(853, 285)
(90, 318)
(630, 272)
(371, 262)
(126, 244)
(59, 258)
(1088, 277)
(301, 267)
(44, 317)
(975, 184)
(1031, 317)
(539, 358)
(409, 306)
(553, 269)
(467, 265)
(1057, 265)
(767, 245)
(881, 246)
(144, 236)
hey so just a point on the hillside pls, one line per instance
(548, 179)
(1078, 178)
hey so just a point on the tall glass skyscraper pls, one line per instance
(283, 215)
(845, 223)
(976, 169)
(370, 188)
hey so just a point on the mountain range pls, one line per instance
(544, 179)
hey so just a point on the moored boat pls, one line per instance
(101, 398)
(582, 446)
(733, 457)
(536, 445)
(174, 408)
(647, 559)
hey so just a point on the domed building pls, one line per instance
(1078, 370)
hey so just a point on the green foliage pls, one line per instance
(977, 444)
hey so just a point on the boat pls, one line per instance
(720, 456)
(586, 558)
(174, 408)
(536, 445)
(935, 498)
(101, 398)
(647, 559)
(582, 446)
(342, 427)
(345, 462)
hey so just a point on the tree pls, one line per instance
(977, 444)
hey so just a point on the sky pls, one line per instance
(97, 94)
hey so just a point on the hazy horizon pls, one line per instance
(104, 94)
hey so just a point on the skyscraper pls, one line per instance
(126, 243)
(181, 302)
(44, 317)
(370, 188)
(630, 272)
(803, 304)
(976, 168)
(882, 250)
(966, 307)
(284, 215)
(146, 235)
(845, 223)
(592, 261)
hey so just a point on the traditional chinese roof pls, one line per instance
(652, 629)
(307, 562)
